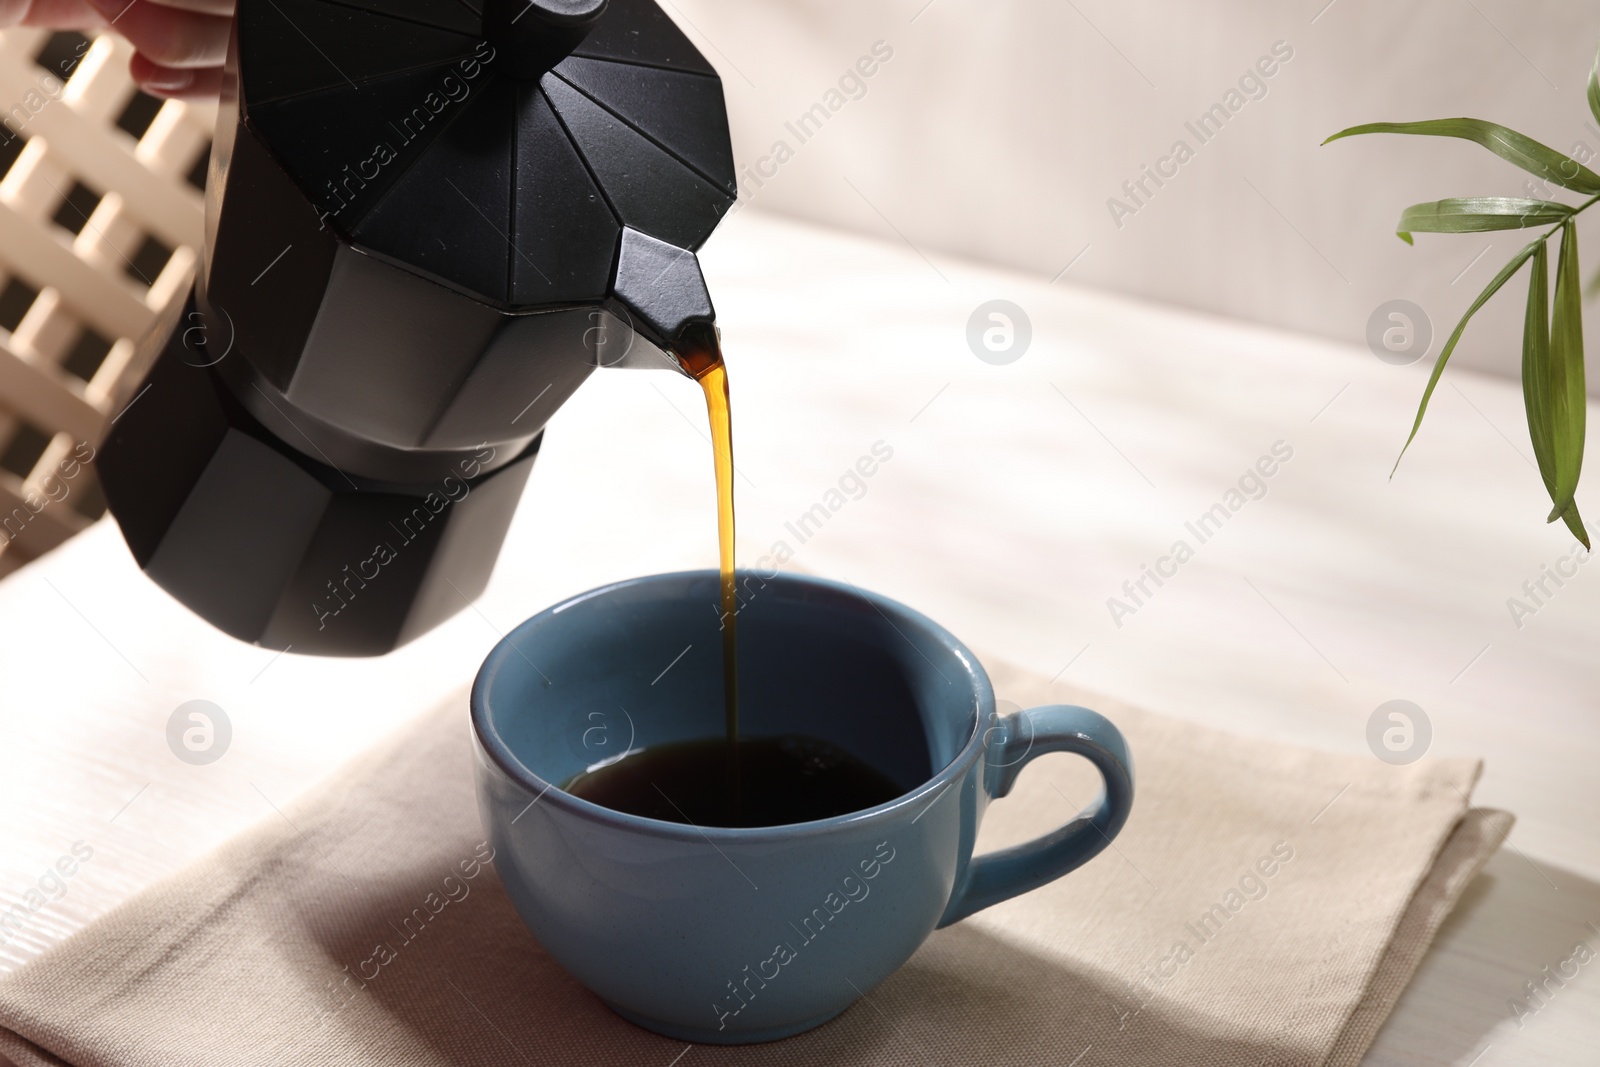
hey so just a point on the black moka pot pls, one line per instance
(426, 225)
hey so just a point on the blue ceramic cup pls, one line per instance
(722, 935)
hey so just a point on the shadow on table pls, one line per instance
(476, 988)
(1515, 919)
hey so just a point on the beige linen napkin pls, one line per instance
(1265, 905)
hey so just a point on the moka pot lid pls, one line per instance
(500, 146)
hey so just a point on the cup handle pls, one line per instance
(1015, 742)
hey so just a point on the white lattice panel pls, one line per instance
(88, 214)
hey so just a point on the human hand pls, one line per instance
(180, 43)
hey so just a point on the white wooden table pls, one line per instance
(1017, 501)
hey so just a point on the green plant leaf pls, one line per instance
(1594, 88)
(1476, 214)
(1450, 346)
(1537, 159)
(1565, 398)
(1547, 381)
(1536, 368)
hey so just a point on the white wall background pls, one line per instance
(1001, 127)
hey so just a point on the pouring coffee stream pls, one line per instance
(700, 354)
(764, 780)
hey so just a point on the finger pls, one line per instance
(53, 14)
(168, 36)
(175, 83)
